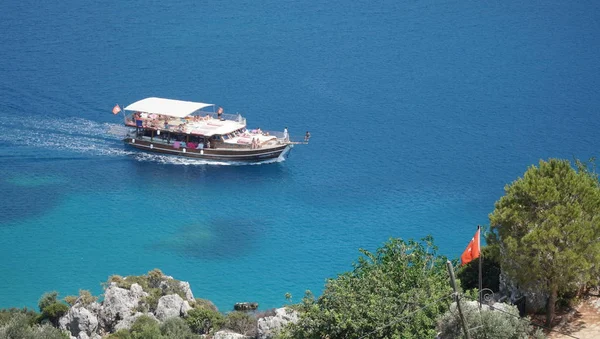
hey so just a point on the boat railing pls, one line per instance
(294, 139)
(231, 117)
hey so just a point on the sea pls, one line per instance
(420, 111)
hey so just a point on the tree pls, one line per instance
(396, 292)
(547, 227)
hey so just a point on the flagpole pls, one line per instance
(480, 263)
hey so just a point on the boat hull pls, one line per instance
(217, 154)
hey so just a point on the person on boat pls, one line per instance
(253, 145)
(286, 137)
(307, 136)
(219, 112)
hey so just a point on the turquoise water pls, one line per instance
(420, 113)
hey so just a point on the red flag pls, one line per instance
(472, 250)
(116, 109)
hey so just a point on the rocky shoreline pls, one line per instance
(159, 297)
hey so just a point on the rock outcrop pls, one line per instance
(125, 301)
(119, 303)
(170, 306)
(535, 300)
(268, 327)
(79, 321)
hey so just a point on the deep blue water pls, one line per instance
(420, 112)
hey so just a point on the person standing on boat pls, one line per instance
(307, 136)
(286, 137)
(219, 112)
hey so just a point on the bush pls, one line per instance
(241, 322)
(6, 315)
(19, 327)
(203, 321)
(47, 299)
(145, 327)
(487, 324)
(405, 280)
(70, 299)
(155, 277)
(86, 297)
(204, 303)
(176, 328)
(53, 312)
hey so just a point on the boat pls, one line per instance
(196, 130)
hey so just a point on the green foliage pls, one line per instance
(47, 299)
(177, 328)
(86, 297)
(402, 280)
(53, 312)
(546, 228)
(502, 324)
(241, 322)
(6, 315)
(70, 299)
(154, 278)
(145, 327)
(204, 303)
(19, 326)
(204, 321)
(490, 272)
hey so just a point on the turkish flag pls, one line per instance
(472, 251)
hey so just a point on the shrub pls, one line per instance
(86, 297)
(203, 321)
(70, 299)
(17, 327)
(504, 323)
(394, 282)
(53, 312)
(47, 299)
(154, 278)
(145, 327)
(176, 328)
(204, 303)
(6, 315)
(241, 322)
(49, 332)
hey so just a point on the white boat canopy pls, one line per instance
(170, 107)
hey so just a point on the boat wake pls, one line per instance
(87, 137)
(174, 160)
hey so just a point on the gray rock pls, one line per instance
(83, 335)
(535, 300)
(170, 306)
(229, 335)
(119, 303)
(268, 327)
(185, 286)
(79, 320)
(185, 307)
(126, 323)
